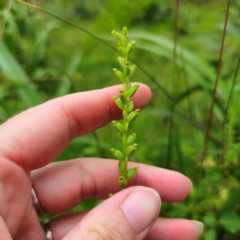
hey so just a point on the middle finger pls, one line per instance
(61, 186)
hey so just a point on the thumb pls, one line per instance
(128, 214)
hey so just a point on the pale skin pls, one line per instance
(30, 141)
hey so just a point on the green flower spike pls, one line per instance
(123, 102)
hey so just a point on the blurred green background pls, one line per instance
(177, 54)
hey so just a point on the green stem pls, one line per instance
(125, 114)
(125, 136)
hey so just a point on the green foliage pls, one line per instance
(230, 221)
(42, 58)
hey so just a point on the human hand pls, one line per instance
(30, 141)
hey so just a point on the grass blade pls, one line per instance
(16, 74)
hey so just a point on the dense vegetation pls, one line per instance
(189, 126)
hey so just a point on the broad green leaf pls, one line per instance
(230, 221)
(209, 234)
(209, 219)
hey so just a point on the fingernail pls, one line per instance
(199, 226)
(141, 208)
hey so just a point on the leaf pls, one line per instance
(209, 234)
(230, 221)
(209, 219)
(199, 71)
(14, 72)
(5, 111)
(233, 199)
(63, 88)
(167, 47)
(73, 65)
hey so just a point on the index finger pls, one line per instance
(35, 137)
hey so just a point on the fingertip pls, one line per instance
(130, 212)
(184, 191)
(199, 227)
(172, 185)
(141, 208)
(172, 229)
(182, 186)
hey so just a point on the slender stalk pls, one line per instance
(215, 86)
(231, 90)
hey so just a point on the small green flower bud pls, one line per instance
(120, 50)
(131, 70)
(125, 32)
(132, 172)
(130, 47)
(118, 35)
(119, 74)
(123, 96)
(131, 139)
(122, 182)
(120, 128)
(121, 167)
(130, 149)
(121, 61)
(120, 135)
(118, 102)
(132, 90)
(130, 106)
(115, 71)
(127, 65)
(133, 44)
(131, 116)
(118, 154)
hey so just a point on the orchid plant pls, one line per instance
(123, 101)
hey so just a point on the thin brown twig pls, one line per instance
(215, 86)
(171, 122)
